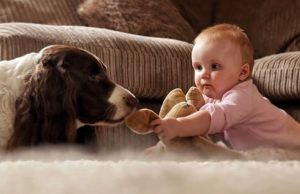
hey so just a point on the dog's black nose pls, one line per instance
(131, 101)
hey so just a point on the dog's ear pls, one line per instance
(45, 111)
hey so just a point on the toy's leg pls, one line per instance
(155, 151)
(211, 150)
(194, 97)
(181, 109)
(174, 97)
(201, 148)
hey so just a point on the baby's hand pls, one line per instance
(166, 129)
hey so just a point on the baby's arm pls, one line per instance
(195, 124)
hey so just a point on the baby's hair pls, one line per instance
(232, 33)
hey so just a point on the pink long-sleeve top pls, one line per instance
(249, 120)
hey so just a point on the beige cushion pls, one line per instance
(149, 67)
(158, 18)
(61, 12)
(277, 76)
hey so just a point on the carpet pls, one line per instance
(69, 171)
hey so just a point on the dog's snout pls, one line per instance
(131, 101)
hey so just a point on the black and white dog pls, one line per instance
(46, 96)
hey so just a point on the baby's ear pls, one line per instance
(245, 72)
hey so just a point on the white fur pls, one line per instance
(12, 74)
(117, 98)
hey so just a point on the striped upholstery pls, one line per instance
(59, 12)
(149, 67)
(278, 76)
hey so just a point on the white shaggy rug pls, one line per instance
(70, 172)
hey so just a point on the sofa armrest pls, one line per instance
(149, 67)
(277, 76)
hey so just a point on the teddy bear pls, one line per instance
(177, 104)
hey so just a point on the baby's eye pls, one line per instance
(215, 66)
(198, 68)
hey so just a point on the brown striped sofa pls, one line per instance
(151, 66)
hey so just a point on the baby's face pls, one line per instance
(217, 66)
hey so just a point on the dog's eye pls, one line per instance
(93, 77)
(65, 64)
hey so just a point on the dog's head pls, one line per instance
(97, 100)
(78, 73)
(69, 86)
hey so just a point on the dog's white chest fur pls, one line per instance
(12, 74)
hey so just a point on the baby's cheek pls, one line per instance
(199, 86)
(197, 80)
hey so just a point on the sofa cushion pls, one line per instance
(61, 12)
(270, 24)
(277, 76)
(158, 18)
(149, 67)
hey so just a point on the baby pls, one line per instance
(222, 58)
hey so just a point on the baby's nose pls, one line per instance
(205, 75)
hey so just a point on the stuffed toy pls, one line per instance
(177, 104)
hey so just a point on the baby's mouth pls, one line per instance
(206, 85)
